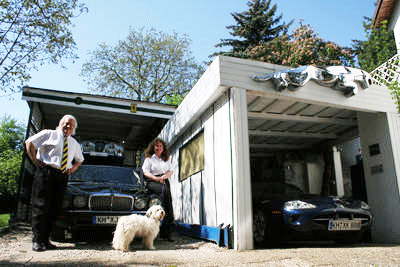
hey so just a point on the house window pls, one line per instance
(191, 159)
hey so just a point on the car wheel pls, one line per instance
(353, 238)
(58, 234)
(261, 227)
(76, 235)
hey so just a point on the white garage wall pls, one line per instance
(206, 197)
(222, 158)
(209, 207)
(381, 172)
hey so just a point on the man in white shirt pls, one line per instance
(46, 150)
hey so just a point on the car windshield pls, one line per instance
(106, 174)
(276, 189)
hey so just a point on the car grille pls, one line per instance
(324, 218)
(110, 203)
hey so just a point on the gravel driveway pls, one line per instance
(15, 250)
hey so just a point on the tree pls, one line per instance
(147, 66)
(303, 47)
(11, 149)
(174, 99)
(33, 32)
(379, 47)
(256, 26)
(11, 134)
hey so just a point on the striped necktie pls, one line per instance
(64, 156)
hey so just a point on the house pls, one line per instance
(389, 10)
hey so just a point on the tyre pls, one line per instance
(261, 227)
(353, 238)
(58, 234)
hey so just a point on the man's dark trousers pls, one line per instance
(48, 189)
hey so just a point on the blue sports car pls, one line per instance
(283, 212)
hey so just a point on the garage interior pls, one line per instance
(132, 124)
(295, 142)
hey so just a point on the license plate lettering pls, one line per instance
(344, 225)
(105, 219)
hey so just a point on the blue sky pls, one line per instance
(204, 22)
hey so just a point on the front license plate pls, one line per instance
(344, 225)
(105, 219)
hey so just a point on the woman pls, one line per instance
(157, 169)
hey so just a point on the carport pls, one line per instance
(132, 124)
(241, 121)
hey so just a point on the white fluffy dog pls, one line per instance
(146, 227)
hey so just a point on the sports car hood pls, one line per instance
(332, 202)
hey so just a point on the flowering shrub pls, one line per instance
(303, 47)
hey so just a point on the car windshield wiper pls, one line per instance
(76, 180)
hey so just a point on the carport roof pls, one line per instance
(279, 120)
(134, 123)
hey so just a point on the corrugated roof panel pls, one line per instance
(311, 110)
(259, 104)
(279, 106)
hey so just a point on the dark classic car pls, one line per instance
(97, 195)
(283, 212)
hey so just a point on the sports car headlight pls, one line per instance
(80, 202)
(298, 205)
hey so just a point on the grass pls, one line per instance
(4, 218)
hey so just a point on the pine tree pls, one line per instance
(255, 26)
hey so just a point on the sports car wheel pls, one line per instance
(261, 227)
(352, 238)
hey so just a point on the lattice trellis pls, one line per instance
(388, 72)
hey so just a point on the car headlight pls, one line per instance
(365, 206)
(140, 203)
(155, 201)
(298, 205)
(80, 202)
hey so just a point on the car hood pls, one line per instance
(100, 187)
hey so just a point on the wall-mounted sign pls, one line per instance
(374, 150)
(191, 157)
(377, 169)
(133, 108)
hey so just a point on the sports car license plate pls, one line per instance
(105, 219)
(344, 225)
